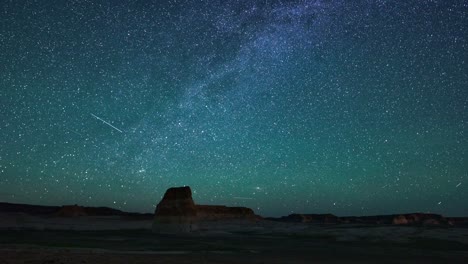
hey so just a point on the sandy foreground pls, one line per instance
(14, 254)
(141, 246)
(91, 240)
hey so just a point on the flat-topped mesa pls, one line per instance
(220, 212)
(177, 213)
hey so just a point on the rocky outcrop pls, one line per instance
(420, 219)
(177, 212)
(177, 201)
(71, 211)
(414, 219)
(368, 220)
(103, 211)
(219, 212)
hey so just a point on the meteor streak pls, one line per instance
(107, 123)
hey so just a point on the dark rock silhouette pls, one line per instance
(415, 219)
(177, 201)
(68, 211)
(28, 209)
(401, 219)
(420, 219)
(220, 212)
(177, 212)
(178, 206)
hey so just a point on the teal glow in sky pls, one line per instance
(345, 107)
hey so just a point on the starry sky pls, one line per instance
(316, 106)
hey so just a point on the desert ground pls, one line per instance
(33, 239)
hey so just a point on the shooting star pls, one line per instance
(107, 123)
(74, 132)
(458, 185)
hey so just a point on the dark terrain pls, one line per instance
(141, 246)
(74, 234)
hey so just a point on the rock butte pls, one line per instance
(177, 212)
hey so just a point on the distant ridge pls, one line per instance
(56, 210)
(412, 219)
(28, 209)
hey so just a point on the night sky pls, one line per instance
(346, 107)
